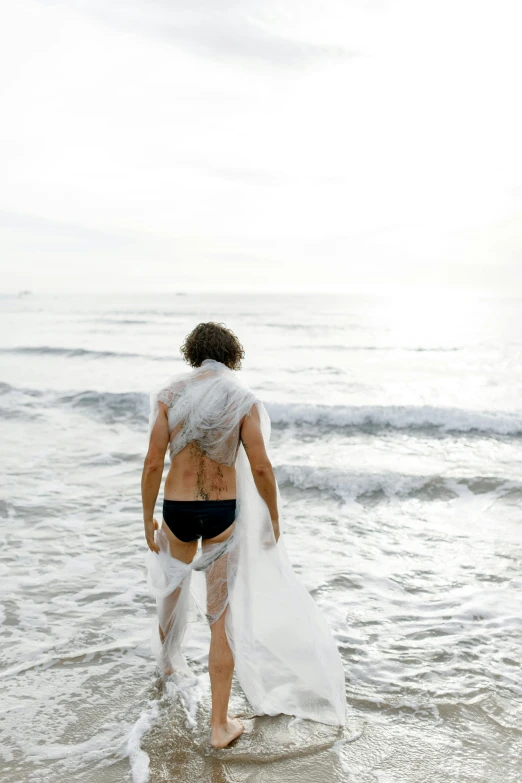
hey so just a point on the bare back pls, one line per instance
(194, 476)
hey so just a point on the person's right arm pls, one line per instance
(262, 471)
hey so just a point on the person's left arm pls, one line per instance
(153, 472)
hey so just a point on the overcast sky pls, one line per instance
(290, 145)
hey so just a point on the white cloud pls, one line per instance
(216, 141)
(248, 30)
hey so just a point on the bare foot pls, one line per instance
(224, 735)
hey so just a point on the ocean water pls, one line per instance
(397, 443)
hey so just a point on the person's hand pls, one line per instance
(150, 526)
(269, 537)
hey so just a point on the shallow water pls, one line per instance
(397, 433)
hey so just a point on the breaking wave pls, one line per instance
(134, 407)
(374, 486)
(400, 417)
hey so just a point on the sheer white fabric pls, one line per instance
(285, 657)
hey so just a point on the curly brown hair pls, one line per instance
(213, 341)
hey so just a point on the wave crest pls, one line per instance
(379, 486)
(400, 417)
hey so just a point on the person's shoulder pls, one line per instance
(173, 388)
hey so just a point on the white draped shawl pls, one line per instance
(285, 657)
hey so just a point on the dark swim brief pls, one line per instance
(190, 520)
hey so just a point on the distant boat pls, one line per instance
(24, 293)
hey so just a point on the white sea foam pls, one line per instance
(138, 758)
(97, 748)
(352, 485)
(397, 417)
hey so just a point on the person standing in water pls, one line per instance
(199, 501)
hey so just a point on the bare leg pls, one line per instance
(184, 552)
(220, 660)
(165, 608)
(221, 668)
